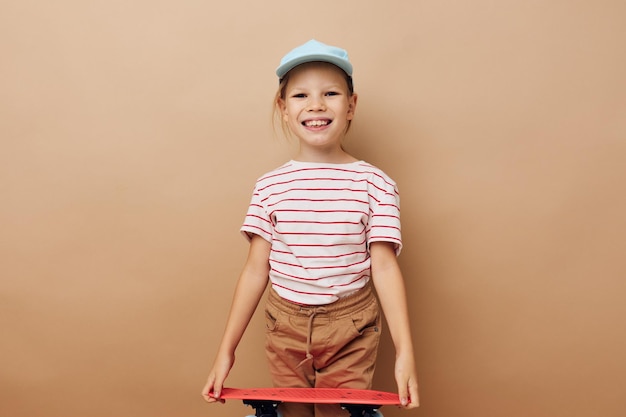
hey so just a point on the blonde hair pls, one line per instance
(280, 95)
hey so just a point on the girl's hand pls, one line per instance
(406, 378)
(389, 285)
(215, 382)
(250, 287)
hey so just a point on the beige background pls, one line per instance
(132, 133)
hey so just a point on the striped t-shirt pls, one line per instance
(320, 219)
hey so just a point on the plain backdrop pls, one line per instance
(131, 136)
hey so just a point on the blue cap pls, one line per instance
(314, 51)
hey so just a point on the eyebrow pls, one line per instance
(323, 87)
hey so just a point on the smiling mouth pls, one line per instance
(316, 123)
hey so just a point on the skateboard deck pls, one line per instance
(313, 395)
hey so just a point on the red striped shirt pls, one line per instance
(320, 219)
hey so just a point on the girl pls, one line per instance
(323, 228)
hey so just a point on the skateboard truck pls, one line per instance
(361, 410)
(266, 408)
(263, 408)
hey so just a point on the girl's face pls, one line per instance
(317, 108)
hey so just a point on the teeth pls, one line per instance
(316, 123)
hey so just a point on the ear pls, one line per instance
(282, 107)
(352, 106)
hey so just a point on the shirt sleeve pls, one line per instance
(257, 221)
(384, 221)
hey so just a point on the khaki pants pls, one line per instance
(329, 346)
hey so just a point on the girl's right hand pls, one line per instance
(213, 388)
(249, 290)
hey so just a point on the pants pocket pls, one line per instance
(368, 320)
(271, 318)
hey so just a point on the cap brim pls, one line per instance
(284, 68)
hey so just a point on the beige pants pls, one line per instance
(329, 346)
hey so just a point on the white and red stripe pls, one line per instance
(320, 219)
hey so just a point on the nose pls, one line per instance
(316, 104)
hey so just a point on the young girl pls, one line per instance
(323, 228)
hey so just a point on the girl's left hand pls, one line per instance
(406, 378)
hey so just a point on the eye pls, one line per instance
(299, 95)
(333, 93)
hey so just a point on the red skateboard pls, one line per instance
(359, 403)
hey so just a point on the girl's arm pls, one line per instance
(250, 287)
(391, 292)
